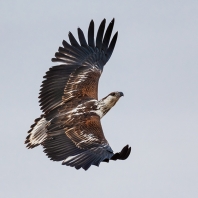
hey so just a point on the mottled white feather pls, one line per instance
(38, 133)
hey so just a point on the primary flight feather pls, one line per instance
(69, 128)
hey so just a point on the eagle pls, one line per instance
(69, 129)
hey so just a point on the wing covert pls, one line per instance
(82, 83)
(87, 133)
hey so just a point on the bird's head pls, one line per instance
(112, 98)
(116, 94)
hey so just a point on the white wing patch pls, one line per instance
(88, 138)
(38, 133)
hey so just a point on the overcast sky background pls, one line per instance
(155, 65)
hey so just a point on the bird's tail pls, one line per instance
(37, 133)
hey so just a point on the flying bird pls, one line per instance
(69, 128)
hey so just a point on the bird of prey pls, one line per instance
(69, 128)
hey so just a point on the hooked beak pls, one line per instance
(121, 94)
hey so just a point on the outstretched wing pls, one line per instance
(80, 145)
(80, 69)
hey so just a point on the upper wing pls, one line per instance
(80, 69)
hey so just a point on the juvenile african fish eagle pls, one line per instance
(69, 128)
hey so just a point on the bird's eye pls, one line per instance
(112, 94)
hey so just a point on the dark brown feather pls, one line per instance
(87, 133)
(83, 82)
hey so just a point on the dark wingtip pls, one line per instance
(81, 37)
(112, 45)
(103, 21)
(123, 155)
(124, 151)
(53, 59)
(107, 35)
(128, 153)
(79, 30)
(69, 34)
(91, 34)
(73, 40)
(100, 34)
(106, 160)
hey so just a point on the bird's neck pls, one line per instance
(104, 105)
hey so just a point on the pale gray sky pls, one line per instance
(155, 64)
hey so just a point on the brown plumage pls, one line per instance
(69, 128)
